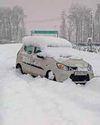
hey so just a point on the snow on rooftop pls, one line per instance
(46, 41)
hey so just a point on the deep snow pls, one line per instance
(25, 100)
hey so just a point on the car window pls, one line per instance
(28, 49)
(37, 50)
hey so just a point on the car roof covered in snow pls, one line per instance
(46, 41)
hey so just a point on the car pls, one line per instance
(50, 57)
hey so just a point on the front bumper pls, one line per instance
(81, 77)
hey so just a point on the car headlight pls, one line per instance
(62, 66)
(89, 67)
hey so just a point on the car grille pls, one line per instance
(79, 78)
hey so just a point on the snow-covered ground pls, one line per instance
(25, 100)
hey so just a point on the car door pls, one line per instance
(37, 63)
(27, 55)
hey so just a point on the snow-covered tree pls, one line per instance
(18, 23)
(63, 25)
(97, 25)
(11, 24)
(5, 26)
(70, 28)
(80, 17)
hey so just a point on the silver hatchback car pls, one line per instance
(33, 59)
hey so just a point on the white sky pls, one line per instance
(44, 9)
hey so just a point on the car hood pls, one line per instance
(73, 62)
(66, 56)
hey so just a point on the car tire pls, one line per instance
(50, 75)
(18, 66)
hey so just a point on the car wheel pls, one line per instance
(50, 75)
(19, 67)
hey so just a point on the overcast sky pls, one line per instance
(44, 10)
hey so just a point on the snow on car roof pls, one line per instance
(46, 41)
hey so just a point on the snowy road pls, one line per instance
(37, 101)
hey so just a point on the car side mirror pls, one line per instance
(41, 55)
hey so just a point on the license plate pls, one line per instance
(80, 73)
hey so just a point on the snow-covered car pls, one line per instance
(51, 57)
